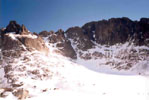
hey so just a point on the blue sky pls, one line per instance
(38, 15)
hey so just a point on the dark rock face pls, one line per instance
(113, 31)
(81, 40)
(118, 30)
(143, 34)
(13, 27)
(89, 29)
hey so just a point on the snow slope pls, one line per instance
(56, 77)
(121, 59)
(70, 80)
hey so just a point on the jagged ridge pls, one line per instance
(106, 43)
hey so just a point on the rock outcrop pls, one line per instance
(61, 42)
(34, 44)
(17, 38)
(24, 30)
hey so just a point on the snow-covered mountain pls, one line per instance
(107, 60)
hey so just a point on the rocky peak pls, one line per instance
(24, 30)
(123, 20)
(13, 27)
(46, 33)
(144, 20)
(60, 36)
(60, 31)
(21, 40)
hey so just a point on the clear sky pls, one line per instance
(38, 15)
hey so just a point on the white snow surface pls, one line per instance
(60, 78)
(13, 36)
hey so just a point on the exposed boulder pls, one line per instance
(22, 94)
(79, 39)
